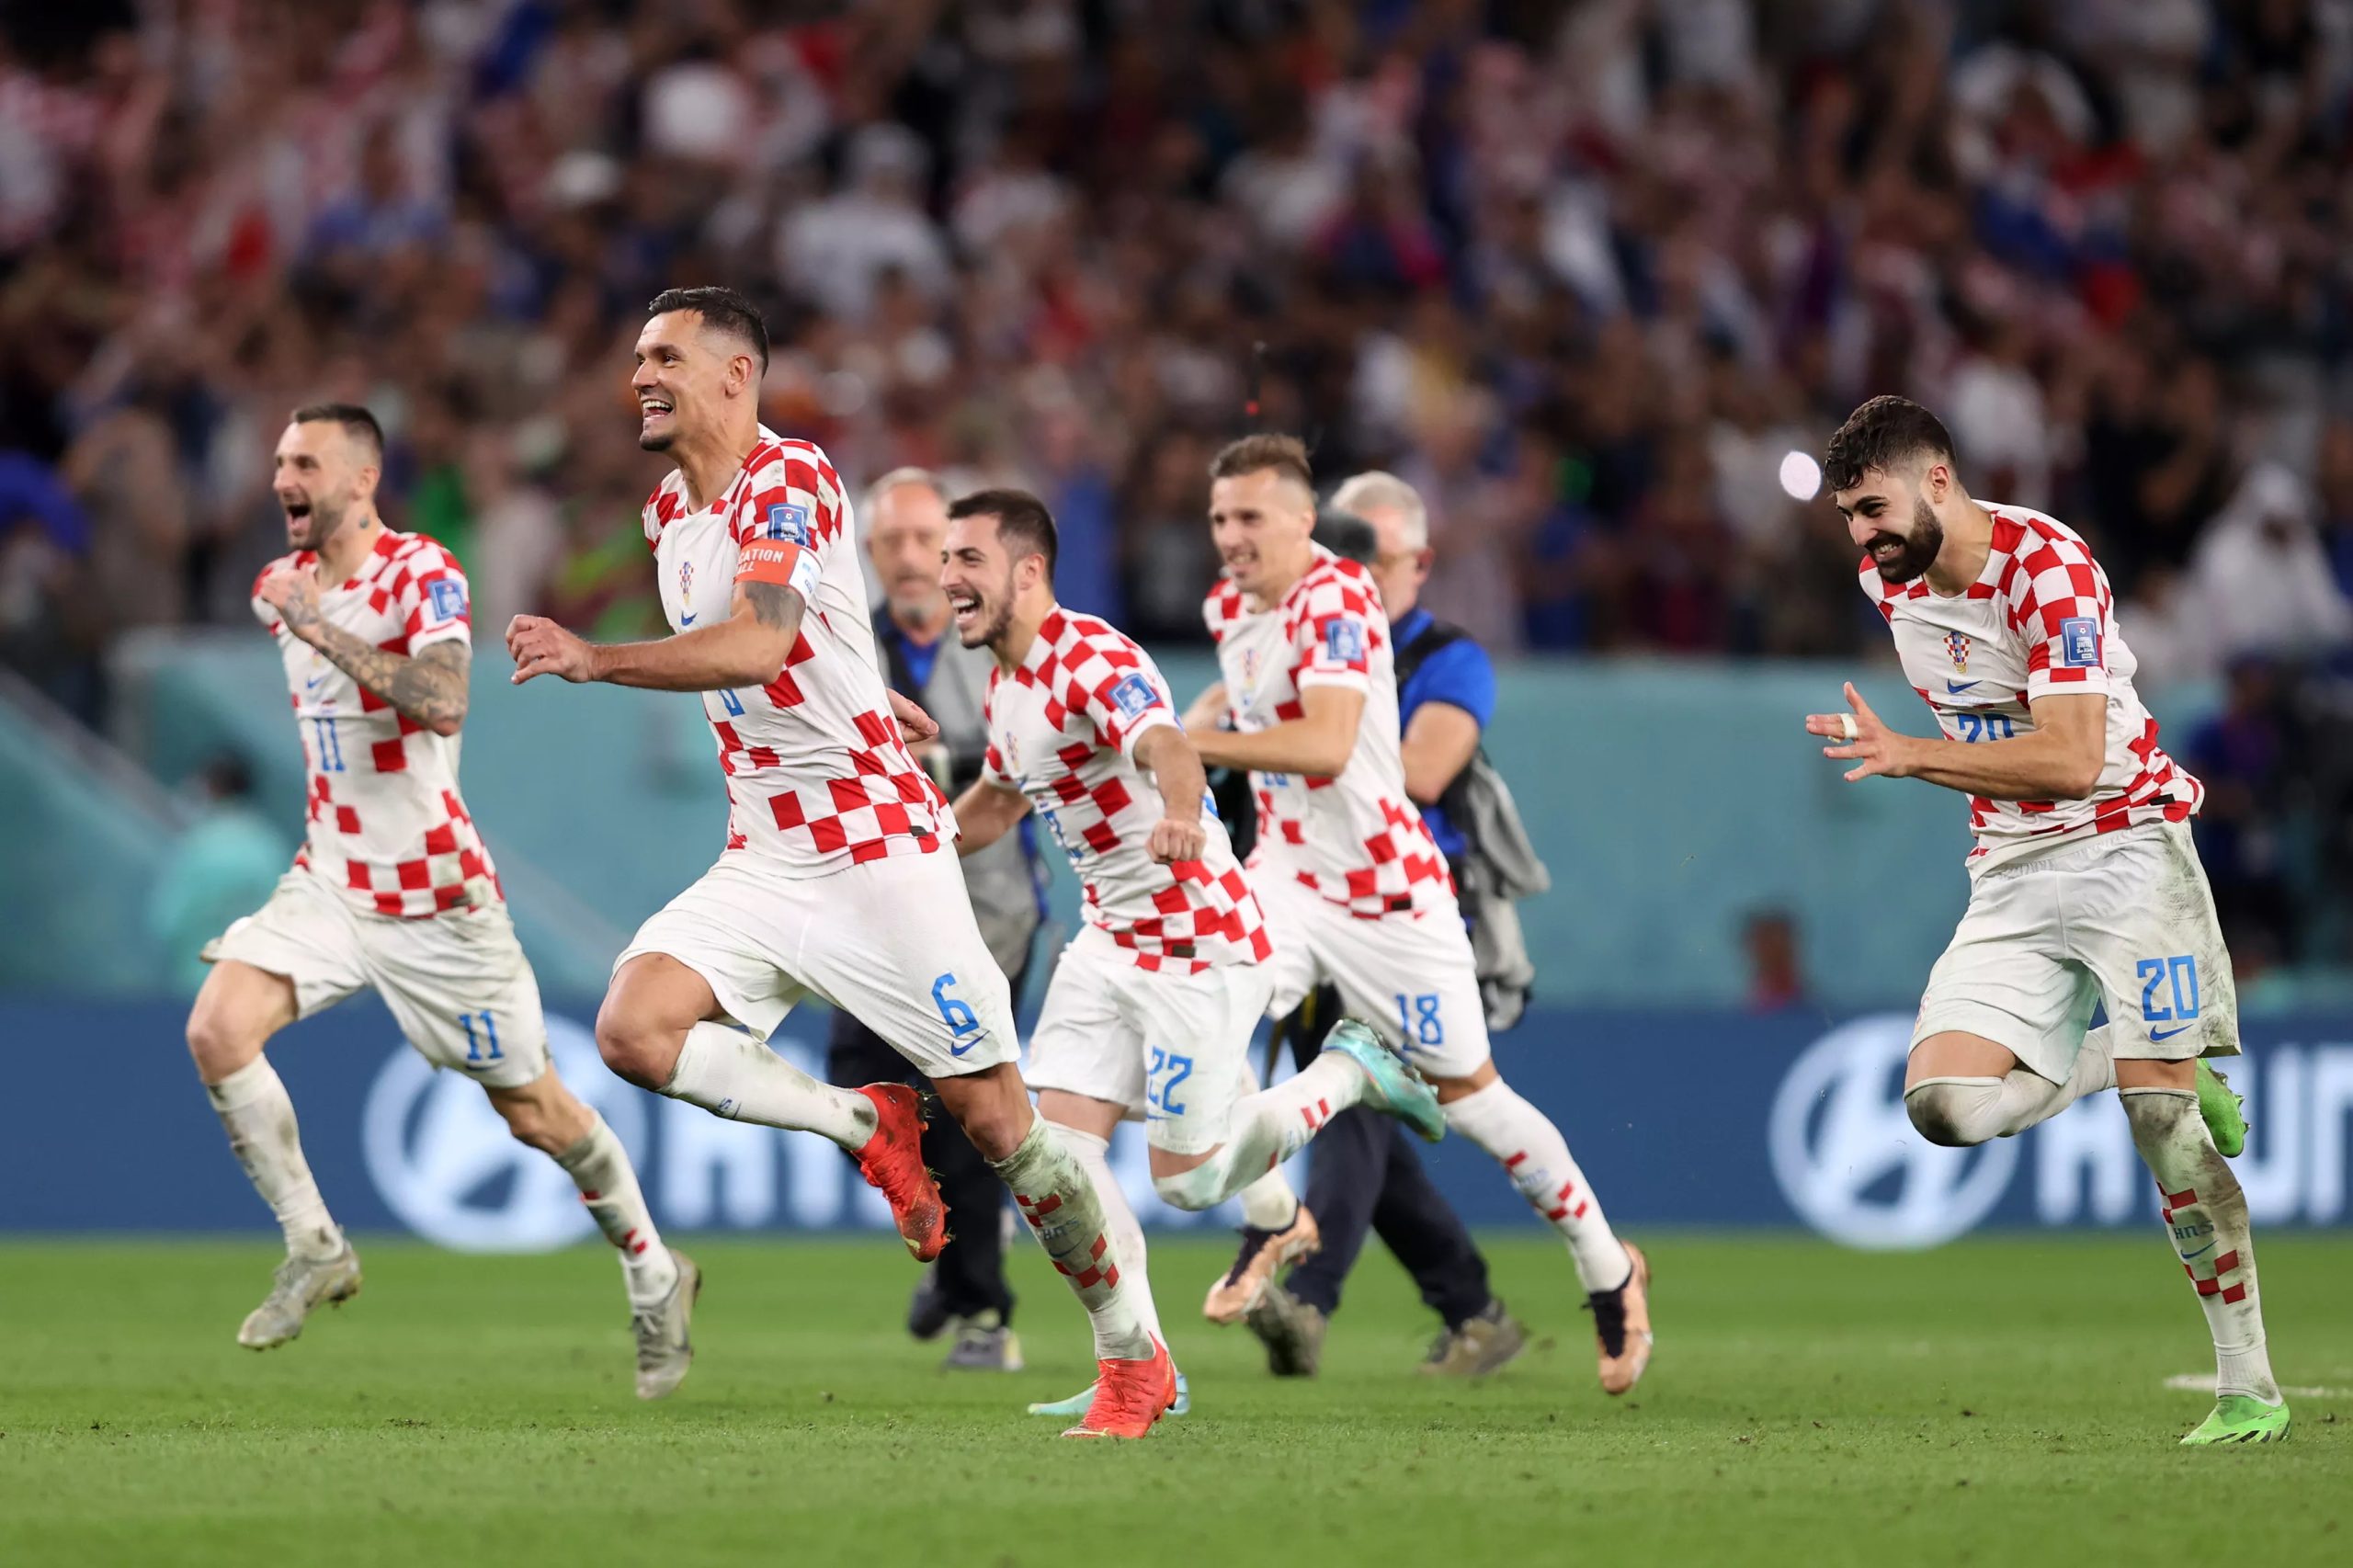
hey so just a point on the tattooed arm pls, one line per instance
(429, 689)
(746, 649)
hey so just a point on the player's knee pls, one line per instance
(1955, 1115)
(218, 1043)
(644, 1053)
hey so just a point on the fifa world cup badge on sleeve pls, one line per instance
(2079, 642)
(446, 599)
(1343, 641)
(1134, 694)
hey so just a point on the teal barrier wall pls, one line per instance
(1669, 799)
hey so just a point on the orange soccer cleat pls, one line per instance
(1621, 1326)
(893, 1160)
(1130, 1396)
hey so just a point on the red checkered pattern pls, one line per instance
(386, 828)
(1355, 839)
(817, 778)
(1064, 727)
(2038, 621)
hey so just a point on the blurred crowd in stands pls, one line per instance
(1585, 271)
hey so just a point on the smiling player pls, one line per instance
(2085, 886)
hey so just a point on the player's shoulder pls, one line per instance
(2035, 554)
(1076, 636)
(419, 554)
(809, 510)
(662, 506)
(1334, 585)
(2022, 533)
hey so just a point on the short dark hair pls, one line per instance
(1022, 521)
(722, 309)
(357, 421)
(1883, 433)
(1345, 534)
(1287, 455)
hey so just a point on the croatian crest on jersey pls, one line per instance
(1012, 756)
(686, 583)
(1956, 648)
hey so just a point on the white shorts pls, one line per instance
(457, 983)
(892, 942)
(2125, 919)
(1170, 1048)
(1409, 976)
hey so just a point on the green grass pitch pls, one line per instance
(2000, 1402)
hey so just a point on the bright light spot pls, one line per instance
(1801, 476)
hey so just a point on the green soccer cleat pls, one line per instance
(2241, 1418)
(2224, 1112)
(1078, 1403)
(1395, 1087)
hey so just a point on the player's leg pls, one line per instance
(899, 948)
(292, 958)
(1417, 981)
(1277, 1230)
(2142, 918)
(1085, 1125)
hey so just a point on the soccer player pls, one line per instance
(392, 890)
(2084, 887)
(1355, 891)
(1153, 1005)
(833, 882)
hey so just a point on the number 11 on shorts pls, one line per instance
(488, 1038)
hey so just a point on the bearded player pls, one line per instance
(2085, 888)
(392, 891)
(838, 880)
(1153, 1005)
(1357, 894)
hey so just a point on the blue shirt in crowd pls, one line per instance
(1459, 674)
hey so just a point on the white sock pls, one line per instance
(1093, 1154)
(1065, 1213)
(1266, 1128)
(1536, 1157)
(730, 1073)
(2205, 1216)
(1268, 1203)
(2028, 1099)
(258, 1115)
(599, 1167)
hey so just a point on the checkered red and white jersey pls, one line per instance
(1063, 730)
(817, 778)
(387, 828)
(1357, 839)
(2038, 621)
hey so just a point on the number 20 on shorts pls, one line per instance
(2178, 975)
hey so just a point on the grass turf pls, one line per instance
(1998, 1402)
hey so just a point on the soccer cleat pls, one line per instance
(2240, 1418)
(893, 1159)
(299, 1285)
(665, 1349)
(2224, 1112)
(1476, 1345)
(1077, 1405)
(928, 1313)
(1128, 1396)
(1621, 1326)
(1396, 1089)
(983, 1344)
(1264, 1254)
(1291, 1331)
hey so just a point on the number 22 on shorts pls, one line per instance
(957, 1013)
(1167, 1071)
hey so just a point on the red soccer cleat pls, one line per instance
(1128, 1396)
(893, 1160)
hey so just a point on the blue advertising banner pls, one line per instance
(1682, 1118)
